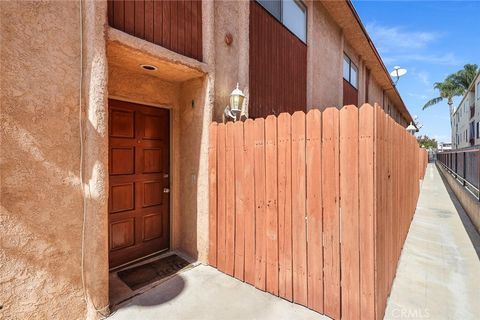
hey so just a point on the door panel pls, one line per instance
(139, 152)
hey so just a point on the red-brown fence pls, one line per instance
(423, 158)
(314, 207)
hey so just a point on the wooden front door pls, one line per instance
(139, 154)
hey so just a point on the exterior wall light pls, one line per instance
(411, 129)
(234, 110)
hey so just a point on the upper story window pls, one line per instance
(291, 13)
(350, 71)
(478, 90)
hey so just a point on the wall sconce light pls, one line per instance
(234, 110)
(411, 129)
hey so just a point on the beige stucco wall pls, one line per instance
(375, 92)
(231, 62)
(324, 58)
(41, 202)
(326, 45)
(95, 158)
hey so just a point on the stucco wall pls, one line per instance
(195, 115)
(375, 93)
(41, 202)
(324, 58)
(231, 62)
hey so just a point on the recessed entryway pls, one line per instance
(139, 190)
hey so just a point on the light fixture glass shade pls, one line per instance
(411, 128)
(236, 100)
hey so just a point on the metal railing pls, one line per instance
(464, 166)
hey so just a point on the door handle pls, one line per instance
(166, 190)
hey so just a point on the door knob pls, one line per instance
(166, 190)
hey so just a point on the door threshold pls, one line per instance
(139, 260)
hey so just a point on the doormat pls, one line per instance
(151, 272)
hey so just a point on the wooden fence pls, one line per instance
(314, 207)
(423, 158)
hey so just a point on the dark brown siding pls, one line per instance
(278, 66)
(175, 25)
(350, 94)
(367, 84)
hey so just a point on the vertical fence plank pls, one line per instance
(284, 207)
(314, 211)
(212, 195)
(221, 205)
(271, 197)
(331, 215)
(378, 218)
(260, 210)
(298, 209)
(388, 234)
(239, 202)
(366, 211)
(230, 200)
(349, 212)
(249, 201)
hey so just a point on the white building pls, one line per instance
(466, 118)
(444, 146)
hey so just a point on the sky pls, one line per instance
(431, 39)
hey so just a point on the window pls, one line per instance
(478, 90)
(291, 13)
(478, 130)
(350, 71)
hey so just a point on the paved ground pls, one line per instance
(438, 276)
(204, 293)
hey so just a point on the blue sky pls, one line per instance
(431, 39)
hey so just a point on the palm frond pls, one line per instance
(432, 102)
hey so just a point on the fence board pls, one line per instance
(249, 201)
(331, 215)
(349, 212)
(366, 211)
(221, 206)
(230, 200)
(298, 209)
(271, 197)
(314, 210)
(389, 211)
(260, 212)
(212, 195)
(239, 202)
(284, 206)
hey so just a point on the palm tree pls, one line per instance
(448, 89)
(466, 76)
(454, 85)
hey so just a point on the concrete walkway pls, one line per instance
(438, 276)
(204, 293)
